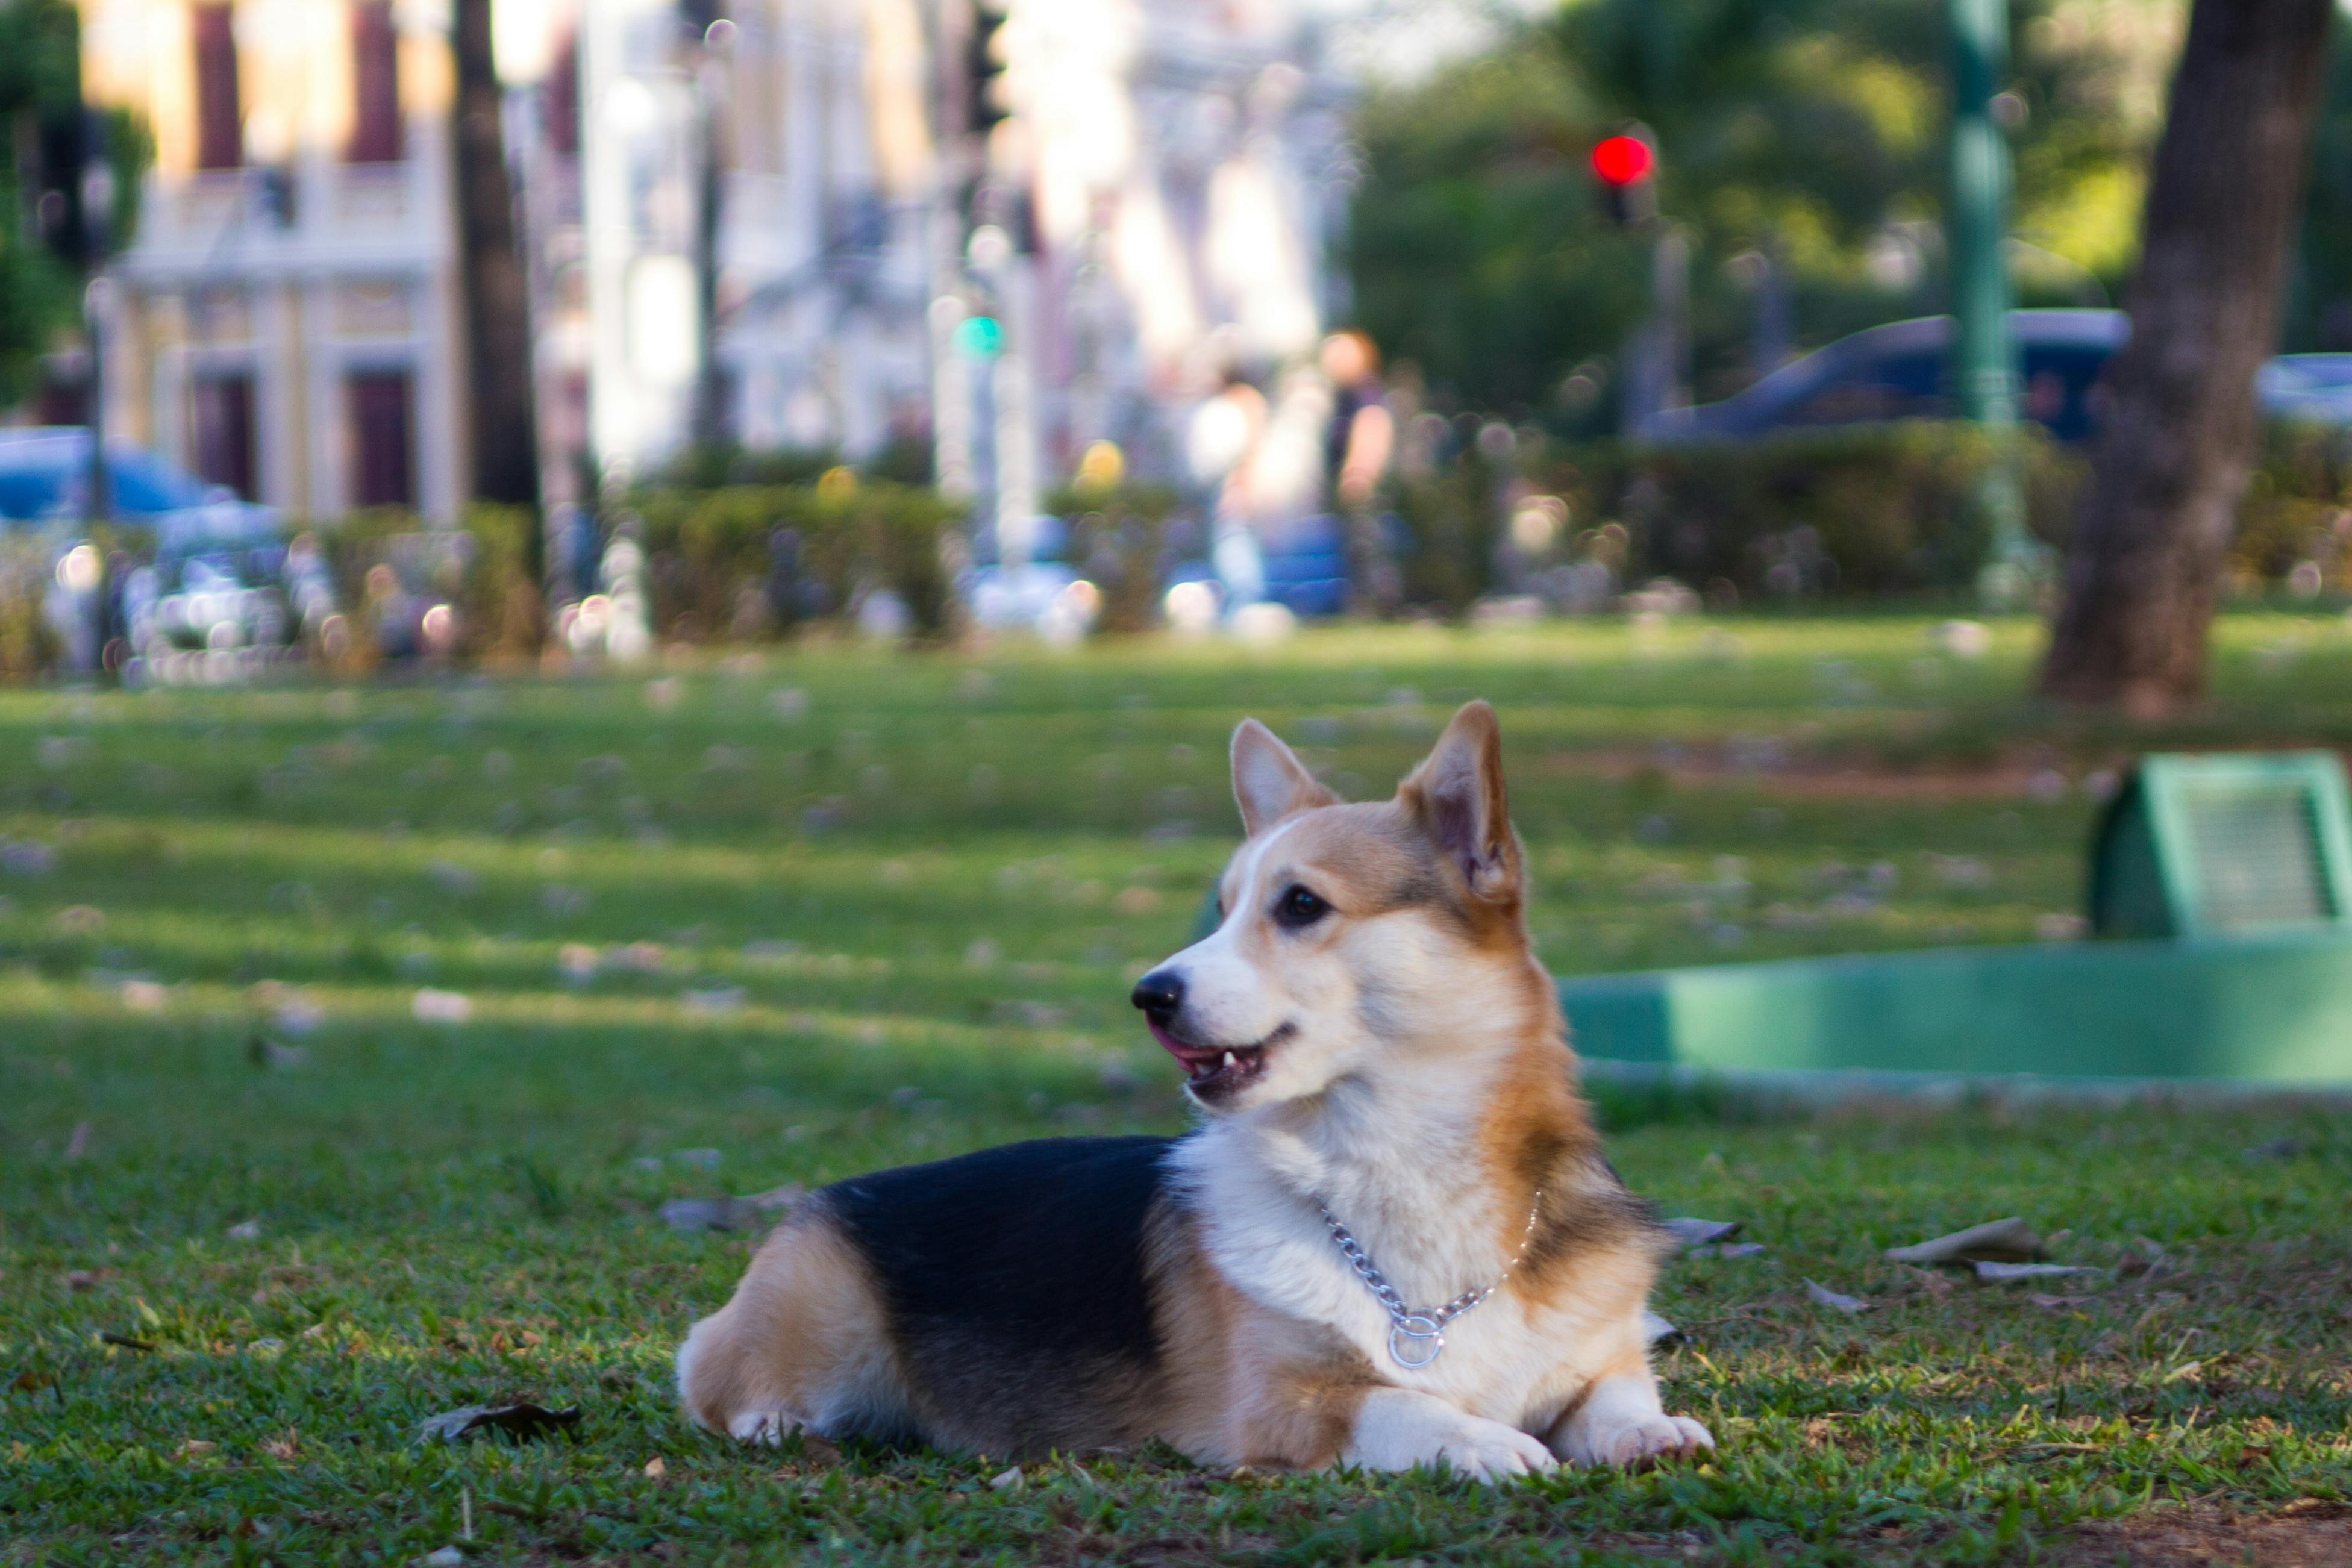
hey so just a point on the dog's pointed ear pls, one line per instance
(1457, 794)
(1269, 781)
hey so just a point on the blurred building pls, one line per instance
(756, 201)
(285, 323)
(1188, 168)
(747, 222)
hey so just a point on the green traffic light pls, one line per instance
(980, 336)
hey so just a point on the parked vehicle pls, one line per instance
(1903, 370)
(225, 577)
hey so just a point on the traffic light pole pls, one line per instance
(1985, 356)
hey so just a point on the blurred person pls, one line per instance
(1360, 440)
(1221, 444)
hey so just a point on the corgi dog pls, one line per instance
(1391, 1241)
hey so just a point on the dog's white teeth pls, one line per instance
(1229, 1058)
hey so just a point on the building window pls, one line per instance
(224, 432)
(375, 84)
(382, 454)
(220, 132)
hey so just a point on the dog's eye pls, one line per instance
(1298, 908)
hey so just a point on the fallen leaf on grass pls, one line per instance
(522, 1422)
(1699, 1232)
(191, 1447)
(108, 1336)
(2009, 1273)
(1823, 1296)
(2000, 1241)
(656, 1467)
(282, 1447)
(1008, 1480)
(30, 1381)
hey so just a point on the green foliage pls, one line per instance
(1811, 134)
(448, 1214)
(703, 466)
(1453, 521)
(1866, 510)
(713, 552)
(1473, 251)
(1118, 541)
(39, 80)
(481, 568)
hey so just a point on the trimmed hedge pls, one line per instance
(746, 561)
(1859, 511)
(478, 568)
(1854, 512)
(1120, 539)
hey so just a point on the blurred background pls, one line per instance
(448, 328)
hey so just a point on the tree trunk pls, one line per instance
(2182, 427)
(497, 306)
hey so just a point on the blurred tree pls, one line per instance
(45, 255)
(2319, 308)
(2180, 436)
(497, 306)
(1801, 150)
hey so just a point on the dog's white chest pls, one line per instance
(1489, 1359)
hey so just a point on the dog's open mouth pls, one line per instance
(1216, 1071)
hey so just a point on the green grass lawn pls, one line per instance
(355, 1038)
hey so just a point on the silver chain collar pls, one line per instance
(1404, 1323)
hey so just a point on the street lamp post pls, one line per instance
(1985, 356)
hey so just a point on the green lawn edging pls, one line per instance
(2272, 1009)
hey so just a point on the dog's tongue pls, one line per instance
(1186, 1053)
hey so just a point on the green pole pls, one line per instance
(1984, 357)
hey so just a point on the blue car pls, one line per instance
(224, 577)
(1903, 370)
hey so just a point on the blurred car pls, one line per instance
(224, 577)
(1903, 370)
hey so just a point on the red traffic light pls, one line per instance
(1622, 161)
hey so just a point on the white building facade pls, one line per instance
(286, 321)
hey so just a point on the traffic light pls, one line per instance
(1625, 170)
(980, 336)
(987, 103)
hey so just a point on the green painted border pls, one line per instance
(2269, 1008)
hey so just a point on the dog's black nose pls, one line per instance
(1159, 994)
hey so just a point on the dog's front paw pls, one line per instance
(1491, 1452)
(1646, 1437)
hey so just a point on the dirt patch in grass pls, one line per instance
(2315, 1533)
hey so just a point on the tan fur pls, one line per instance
(805, 1341)
(1244, 1385)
